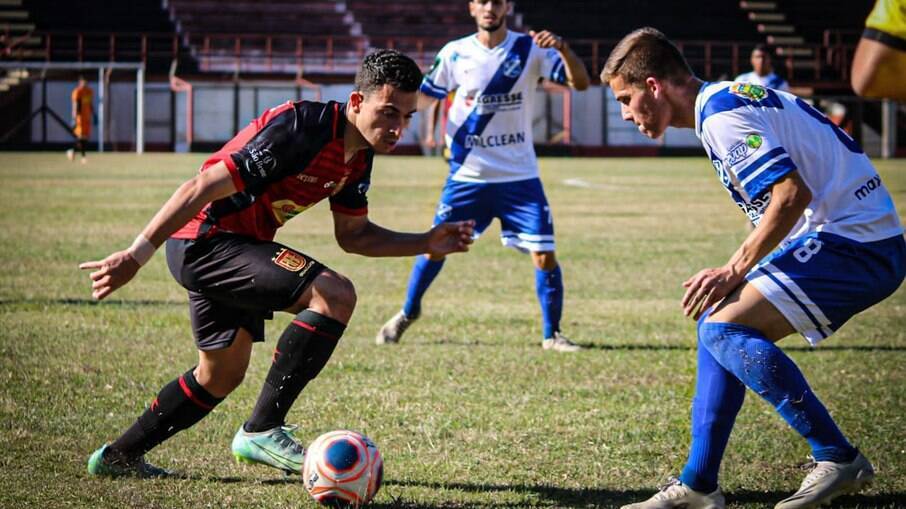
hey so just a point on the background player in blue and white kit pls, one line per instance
(763, 70)
(815, 197)
(493, 168)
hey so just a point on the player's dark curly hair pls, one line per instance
(388, 67)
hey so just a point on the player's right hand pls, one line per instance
(447, 238)
(113, 272)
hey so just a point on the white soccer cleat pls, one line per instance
(676, 495)
(393, 330)
(829, 480)
(560, 343)
(70, 154)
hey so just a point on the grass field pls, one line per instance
(468, 411)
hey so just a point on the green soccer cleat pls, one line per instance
(276, 447)
(105, 462)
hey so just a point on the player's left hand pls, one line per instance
(113, 272)
(447, 238)
(545, 39)
(707, 288)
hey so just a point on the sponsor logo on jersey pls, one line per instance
(738, 152)
(489, 103)
(754, 141)
(512, 66)
(261, 161)
(494, 140)
(755, 208)
(868, 187)
(284, 210)
(308, 179)
(290, 260)
(749, 91)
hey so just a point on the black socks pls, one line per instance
(179, 405)
(301, 353)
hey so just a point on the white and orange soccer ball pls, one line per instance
(343, 468)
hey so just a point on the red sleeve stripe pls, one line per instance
(188, 392)
(336, 114)
(234, 173)
(312, 328)
(349, 212)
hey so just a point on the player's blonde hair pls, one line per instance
(645, 53)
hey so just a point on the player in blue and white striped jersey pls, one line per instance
(827, 244)
(763, 71)
(493, 169)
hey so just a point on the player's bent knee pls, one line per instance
(220, 380)
(334, 295)
(545, 260)
(709, 333)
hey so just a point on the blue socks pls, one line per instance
(718, 398)
(764, 368)
(423, 273)
(549, 287)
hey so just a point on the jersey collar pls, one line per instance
(699, 104)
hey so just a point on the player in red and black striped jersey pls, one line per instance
(221, 225)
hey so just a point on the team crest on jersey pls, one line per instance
(512, 66)
(443, 211)
(749, 91)
(290, 260)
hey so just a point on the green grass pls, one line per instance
(468, 411)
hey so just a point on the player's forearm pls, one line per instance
(376, 241)
(789, 200)
(432, 116)
(187, 201)
(576, 74)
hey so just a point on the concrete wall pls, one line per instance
(595, 114)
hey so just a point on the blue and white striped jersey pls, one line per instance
(755, 135)
(771, 80)
(489, 125)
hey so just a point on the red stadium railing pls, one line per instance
(331, 54)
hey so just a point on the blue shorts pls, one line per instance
(525, 217)
(822, 280)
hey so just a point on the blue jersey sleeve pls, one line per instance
(440, 79)
(552, 66)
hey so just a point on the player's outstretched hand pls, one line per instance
(447, 238)
(113, 272)
(545, 39)
(707, 288)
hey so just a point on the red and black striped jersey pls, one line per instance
(282, 163)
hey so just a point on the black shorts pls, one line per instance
(236, 281)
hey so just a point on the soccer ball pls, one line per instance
(343, 468)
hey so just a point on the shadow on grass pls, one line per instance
(601, 497)
(88, 302)
(666, 347)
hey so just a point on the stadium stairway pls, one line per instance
(16, 32)
(321, 35)
(798, 29)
